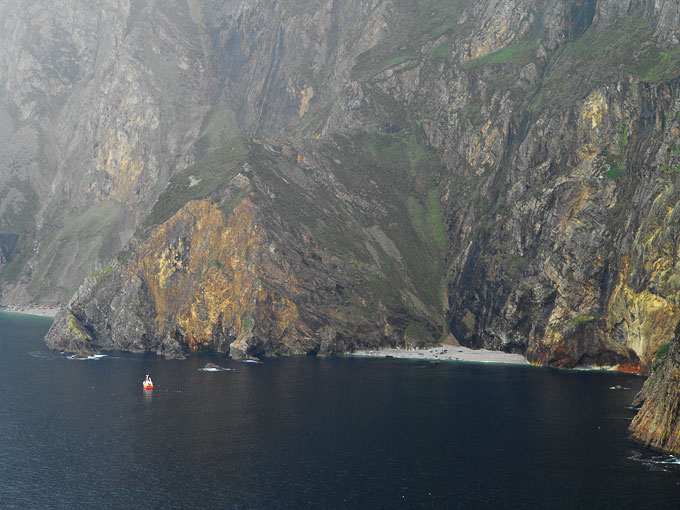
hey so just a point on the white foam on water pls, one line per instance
(42, 355)
(211, 369)
(93, 357)
(657, 462)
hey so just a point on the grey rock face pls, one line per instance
(97, 116)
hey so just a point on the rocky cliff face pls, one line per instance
(657, 424)
(96, 116)
(256, 264)
(503, 172)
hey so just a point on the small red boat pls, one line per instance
(148, 383)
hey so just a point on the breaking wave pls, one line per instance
(660, 462)
(85, 358)
(43, 354)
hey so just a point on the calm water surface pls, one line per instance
(314, 433)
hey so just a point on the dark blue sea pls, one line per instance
(314, 434)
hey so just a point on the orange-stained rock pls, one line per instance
(208, 284)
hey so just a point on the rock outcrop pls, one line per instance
(657, 424)
(255, 267)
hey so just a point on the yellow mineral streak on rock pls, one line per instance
(480, 151)
(116, 159)
(552, 336)
(571, 221)
(206, 274)
(169, 262)
(649, 315)
(593, 116)
(594, 109)
(379, 28)
(130, 171)
(648, 318)
(588, 151)
(495, 38)
(307, 95)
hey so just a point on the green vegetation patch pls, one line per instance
(76, 331)
(604, 56)
(402, 153)
(18, 218)
(198, 181)
(622, 137)
(582, 319)
(666, 170)
(509, 263)
(418, 23)
(441, 52)
(665, 66)
(401, 173)
(105, 271)
(416, 332)
(662, 352)
(395, 62)
(614, 172)
(98, 220)
(215, 264)
(427, 220)
(219, 128)
(517, 54)
(19, 215)
(354, 313)
(229, 205)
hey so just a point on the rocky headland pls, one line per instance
(657, 424)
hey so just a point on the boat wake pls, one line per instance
(44, 355)
(660, 462)
(211, 367)
(85, 358)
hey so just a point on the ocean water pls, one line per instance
(314, 433)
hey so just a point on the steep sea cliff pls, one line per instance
(285, 177)
(657, 424)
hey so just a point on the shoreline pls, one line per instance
(39, 311)
(445, 353)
